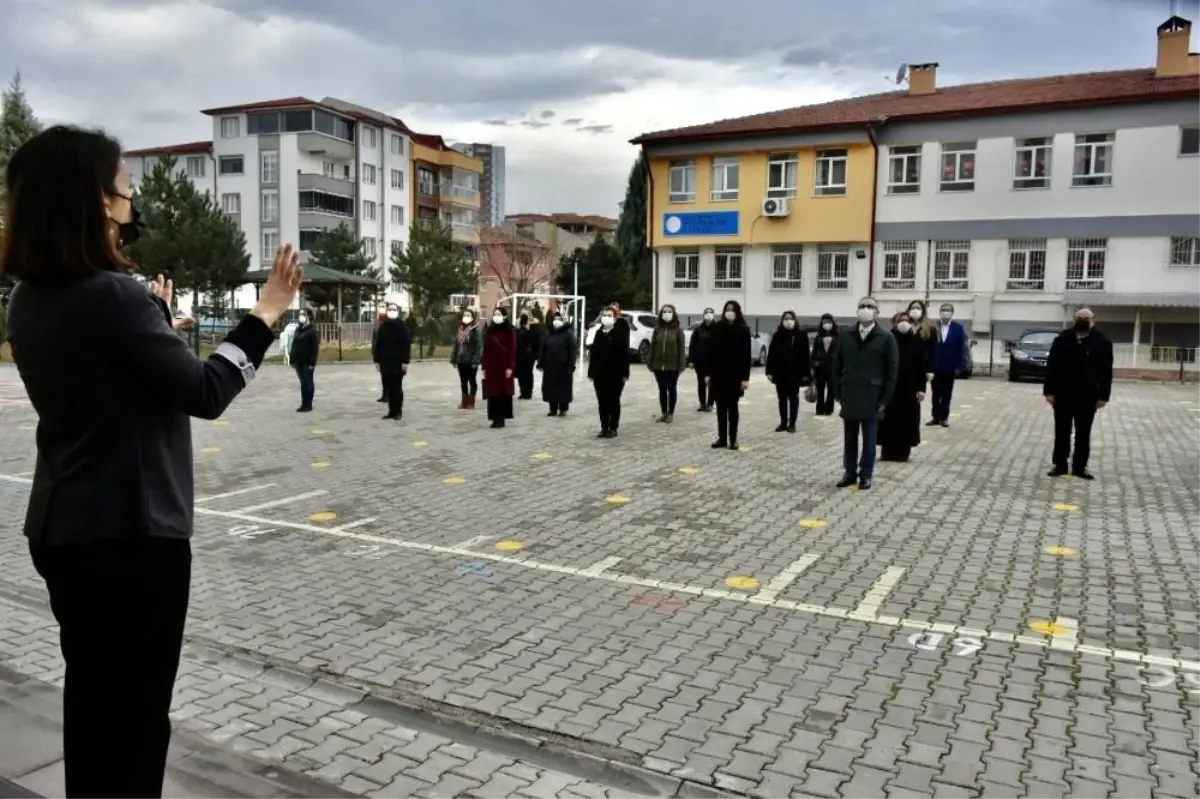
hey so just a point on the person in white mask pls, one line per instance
(730, 372)
(788, 369)
(949, 358)
(393, 351)
(900, 429)
(608, 369)
(557, 358)
(499, 363)
(823, 350)
(466, 355)
(306, 348)
(698, 353)
(668, 357)
(864, 380)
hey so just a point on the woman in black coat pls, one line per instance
(393, 351)
(556, 361)
(729, 371)
(788, 369)
(824, 349)
(608, 369)
(900, 428)
(529, 341)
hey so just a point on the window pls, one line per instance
(231, 165)
(725, 175)
(195, 166)
(464, 300)
(781, 175)
(728, 273)
(369, 210)
(951, 265)
(309, 239)
(368, 174)
(899, 265)
(397, 145)
(787, 263)
(298, 121)
(426, 181)
(1032, 170)
(231, 127)
(231, 203)
(345, 172)
(368, 245)
(687, 269)
(958, 167)
(1185, 251)
(1085, 264)
(831, 173)
(262, 122)
(397, 214)
(328, 169)
(904, 170)
(833, 267)
(1189, 140)
(269, 160)
(339, 128)
(683, 181)
(397, 179)
(369, 135)
(1026, 265)
(270, 206)
(270, 243)
(1093, 159)
(320, 202)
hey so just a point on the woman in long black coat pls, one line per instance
(556, 361)
(729, 371)
(900, 428)
(788, 369)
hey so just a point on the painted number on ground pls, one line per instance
(1160, 677)
(249, 531)
(368, 551)
(963, 647)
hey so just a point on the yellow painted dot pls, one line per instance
(1051, 629)
(688, 470)
(220, 423)
(420, 443)
(454, 481)
(955, 415)
(1067, 476)
(542, 456)
(210, 450)
(323, 516)
(812, 523)
(321, 464)
(618, 499)
(509, 545)
(1067, 506)
(1059, 551)
(741, 583)
(320, 432)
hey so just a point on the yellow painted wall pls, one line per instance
(419, 152)
(845, 218)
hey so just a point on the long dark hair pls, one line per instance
(740, 320)
(57, 228)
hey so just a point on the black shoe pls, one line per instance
(304, 409)
(1083, 474)
(932, 423)
(388, 417)
(1057, 471)
(612, 433)
(603, 433)
(847, 481)
(720, 443)
(552, 413)
(562, 413)
(702, 409)
(497, 424)
(782, 428)
(864, 484)
(791, 428)
(382, 399)
(734, 445)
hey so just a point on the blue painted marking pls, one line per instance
(702, 223)
(474, 569)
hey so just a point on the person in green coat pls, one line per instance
(864, 380)
(668, 357)
(467, 352)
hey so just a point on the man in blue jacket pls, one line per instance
(949, 358)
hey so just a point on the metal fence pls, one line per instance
(345, 341)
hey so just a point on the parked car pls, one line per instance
(758, 345)
(641, 328)
(1028, 355)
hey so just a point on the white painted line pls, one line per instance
(1069, 640)
(237, 493)
(24, 474)
(874, 599)
(781, 581)
(600, 567)
(695, 590)
(285, 501)
(352, 525)
(476, 541)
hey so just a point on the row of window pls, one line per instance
(303, 121)
(308, 240)
(1093, 160)
(269, 169)
(311, 202)
(950, 261)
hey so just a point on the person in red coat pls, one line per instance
(498, 364)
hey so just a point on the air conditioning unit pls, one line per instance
(775, 206)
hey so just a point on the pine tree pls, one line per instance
(630, 239)
(17, 122)
(603, 275)
(431, 268)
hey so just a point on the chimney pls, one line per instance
(1174, 60)
(922, 78)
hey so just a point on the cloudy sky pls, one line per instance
(563, 84)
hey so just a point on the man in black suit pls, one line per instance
(1079, 374)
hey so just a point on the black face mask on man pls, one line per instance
(1082, 327)
(130, 231)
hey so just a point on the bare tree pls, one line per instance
(517, 264)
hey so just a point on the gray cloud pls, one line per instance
(573, 121)
(547, 115)
(498, 123)
(595, 129)
(534, 123)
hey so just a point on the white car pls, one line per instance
(759, 342)
(641, 328)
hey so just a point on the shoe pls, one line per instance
(720, 443)
(304, 409)
(388, 417)
(1057, 471)
(847, 481)
(944, 423)
(661, 418)
(932, 423)
(711, 405)
(782, 428)
(384, 399)
(552, 413)
(702, 409)
(791, 428)
(603, 433)
(864, 484)
(1083, 474)
(734, 445)
(562, 413)
(612, 433)
(462, 404)
(497, 424)
(670, 417)
(470, 404)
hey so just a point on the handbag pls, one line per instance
(810, 394)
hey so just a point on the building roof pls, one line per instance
(1132, 300)
(502, 237)
(972, 99)
(318, 275)
(595, 220)
(190, 148)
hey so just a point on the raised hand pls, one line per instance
(281, 287)
(162, 288)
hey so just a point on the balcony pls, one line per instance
(465, 232)
(325, 183)
(459, 195)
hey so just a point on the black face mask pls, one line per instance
(1082, 326)
(130, 231)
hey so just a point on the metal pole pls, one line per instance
(339, 321)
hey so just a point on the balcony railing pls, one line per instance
(453, 192)
(465, 229)
(427, 189)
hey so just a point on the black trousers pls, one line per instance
(559, 407)
(468, 379)
(608, 401)
(393, 389)
(702, 388)
(668, 390)
(943, 391)
(383, 384)
(789, 403)
(525, 378)
(728, 414)
(1079, 417)
(121, 607)
(824, 394)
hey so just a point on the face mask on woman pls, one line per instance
(827, 326)
(904, 327)
(915, 314)
(302, 319)
(497, 318)
(557, 323)
(393, 314)
(708, 317)
(730, 316)
(667, 316)
(788, 324)
(607, 321)
(468, 319)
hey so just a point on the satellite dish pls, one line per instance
(901, 74)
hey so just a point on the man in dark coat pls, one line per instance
(393, 351)
(306, 348)
(557, 360)
(1079, 374)
(950, 355)
(700, 355)
(529, 340)
(380, 318)
(864, 379)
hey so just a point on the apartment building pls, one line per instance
(446, 187)
(1017, 200)
(541, 227)
(195, 159)
(491, 180)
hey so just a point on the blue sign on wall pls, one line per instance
(701, 223)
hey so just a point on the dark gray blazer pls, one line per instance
(864, 372)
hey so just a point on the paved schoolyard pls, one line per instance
(729, 619)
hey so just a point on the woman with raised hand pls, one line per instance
(110, 509)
